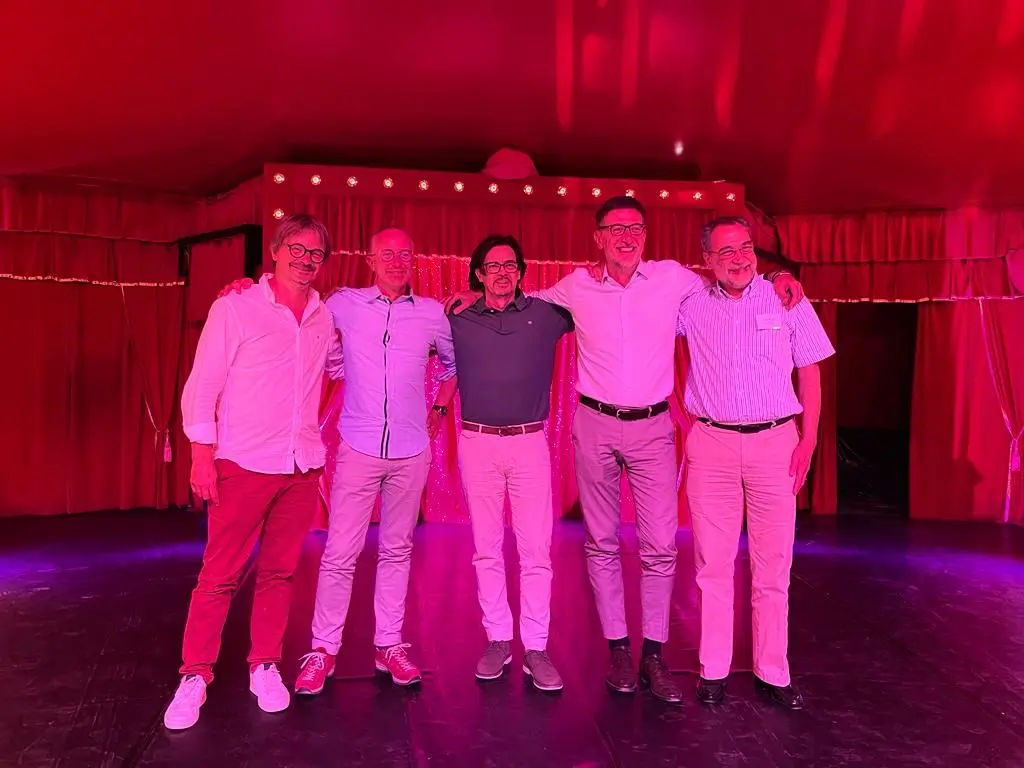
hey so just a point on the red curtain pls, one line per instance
(967, 408)
(82, 398)
(895, 256)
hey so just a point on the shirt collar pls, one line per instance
(520, 303)
(643, 269)
(717, 290)
(373, 294)
(311, 303)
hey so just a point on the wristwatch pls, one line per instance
(441, 409)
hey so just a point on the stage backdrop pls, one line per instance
(447, 214)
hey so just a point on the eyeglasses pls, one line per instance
(728, 252)
(618, 230)
(494, 267)
(298, 251)
(390, 255)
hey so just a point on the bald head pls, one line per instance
(391, 238)
(390, 258)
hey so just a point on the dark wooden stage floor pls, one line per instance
(907, 641)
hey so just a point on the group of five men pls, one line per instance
(250, 408)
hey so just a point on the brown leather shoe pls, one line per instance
(621, 677)
(655, 675)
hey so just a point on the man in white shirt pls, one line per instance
(250, 408)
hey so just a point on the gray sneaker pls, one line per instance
(537, 664)
(495, 659)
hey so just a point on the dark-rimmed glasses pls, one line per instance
(298, 251)
(618, 230)
(494, 267)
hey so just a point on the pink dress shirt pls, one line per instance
(743, 350)
(625, 336)
(254, 390)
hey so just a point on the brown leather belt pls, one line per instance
(746, 429)
(521, 429)
(624, 414)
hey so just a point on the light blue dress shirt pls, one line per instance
(386, 345)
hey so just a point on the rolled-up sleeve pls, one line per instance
(445, 348)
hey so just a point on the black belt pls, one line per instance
(522, 429)
(747, 429)
(624, 414)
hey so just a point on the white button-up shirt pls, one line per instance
(254, 390)
(625, 336)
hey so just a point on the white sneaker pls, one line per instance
(266, 685)
(183, 711)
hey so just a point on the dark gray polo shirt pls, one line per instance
(505, 360)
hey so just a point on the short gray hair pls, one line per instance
(721, 221)
(296, 223)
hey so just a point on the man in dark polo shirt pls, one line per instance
(505, 357)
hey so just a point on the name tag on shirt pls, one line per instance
(769, 322)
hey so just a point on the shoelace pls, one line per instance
(316, 662)
(396, 654)
(274, 673)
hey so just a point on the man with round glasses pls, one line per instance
(626, 322)
(505, 348)
(250, 408)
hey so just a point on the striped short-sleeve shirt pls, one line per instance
(743, 351)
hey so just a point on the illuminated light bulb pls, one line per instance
(528, 189)
(596, 191)
(562, 191)
(697, 195)
(315, 179)
(389, 182)
(459, 186)
(630, 193)
(663, 194)
(278, 213)
(424, 185)
(493, 188)
(731, 197)
(351, 181)
(678, 148)
(279, 178)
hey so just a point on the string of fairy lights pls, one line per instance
(528, 189)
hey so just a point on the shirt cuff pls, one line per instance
(205, 434)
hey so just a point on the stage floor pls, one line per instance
(907, 642)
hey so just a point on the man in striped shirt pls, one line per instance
(746, 450)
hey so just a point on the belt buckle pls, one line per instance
(618, 414)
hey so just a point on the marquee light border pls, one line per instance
(282, 182)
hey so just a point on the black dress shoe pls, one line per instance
(782, 696)
(655, 675)
(621, 678)
(711, 691)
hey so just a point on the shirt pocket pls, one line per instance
(768, 336)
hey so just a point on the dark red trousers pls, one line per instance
(275, 510)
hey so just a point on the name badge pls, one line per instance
(769, 322)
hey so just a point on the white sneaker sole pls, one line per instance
(266, 707)
(396, 681)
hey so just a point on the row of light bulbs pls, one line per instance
(458, 186)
